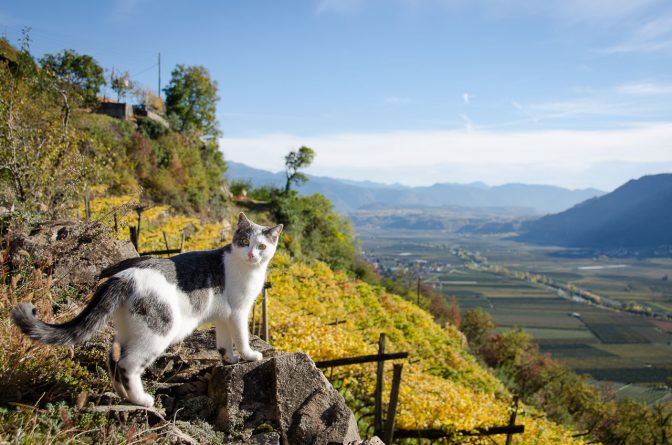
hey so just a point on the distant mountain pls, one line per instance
(350, 195)
(636, 215)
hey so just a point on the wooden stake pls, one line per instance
(165, 240)
(388, 436)
(378, 408)
(264, 312)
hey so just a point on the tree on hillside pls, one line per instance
(191, 99)
(79, 70)
(295, 161)
(477, 326)
(43, 160)
(121, 84)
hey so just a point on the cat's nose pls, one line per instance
(250, 255)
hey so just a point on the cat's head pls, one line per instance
(254, 244)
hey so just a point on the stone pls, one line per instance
(287, 391)
(73, 251)
(271, 438)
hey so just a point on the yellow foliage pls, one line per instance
(155, 222)
(442, 387)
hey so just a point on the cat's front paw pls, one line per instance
(252, 356)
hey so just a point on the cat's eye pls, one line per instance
(245, 242)
(262, 246)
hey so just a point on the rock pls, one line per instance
(199, 407)
(75, 252)
(285, 390)
(271, 438)
(375, 440)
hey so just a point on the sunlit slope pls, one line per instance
(329, 315)
(442, 387)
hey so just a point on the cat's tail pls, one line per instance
(104, 302)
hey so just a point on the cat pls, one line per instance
(157, 302)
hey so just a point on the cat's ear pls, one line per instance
(243, 222)
(274, 232)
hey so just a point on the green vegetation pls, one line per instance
(565, 396)
(76, 70)
(191, 100)
(52, 149)
(44, 162)
(295, 161)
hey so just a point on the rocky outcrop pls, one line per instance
(281, 399)
(74, 253)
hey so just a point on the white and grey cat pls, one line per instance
(157, 302)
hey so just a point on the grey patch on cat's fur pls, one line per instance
(242, 234)
(273, 233)
(123, 265)
(154, 312)
(105, 300)
(194, 273)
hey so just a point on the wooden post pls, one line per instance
(182, 242)
(512, 420)
(137, 228)
(378, 408)
(87, 203)
(165, 240)
(388, 435)
(254, 317)
(134, 237)
(264, 311)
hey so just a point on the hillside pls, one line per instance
(636, 215)
(351, 195)
(443, 386)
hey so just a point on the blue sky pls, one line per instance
(576, 93)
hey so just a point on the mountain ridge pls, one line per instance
(349, 195)
(635, 215)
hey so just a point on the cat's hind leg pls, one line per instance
(132, 361)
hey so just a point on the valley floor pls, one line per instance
(502, 277)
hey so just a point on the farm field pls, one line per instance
(606, 344)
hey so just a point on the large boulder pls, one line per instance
(286, 392)
(73, 252)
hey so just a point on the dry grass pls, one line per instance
(44, 389)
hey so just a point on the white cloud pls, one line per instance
(653, 36)
(591, 106)
(645, 88)
(569, 158)
(396, 100)
(465, 98)
(468, 124)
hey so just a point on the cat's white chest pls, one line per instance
(242, 284)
